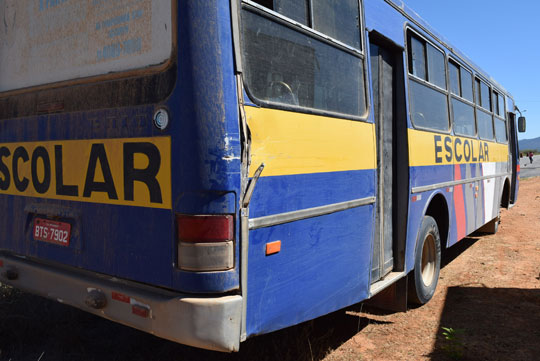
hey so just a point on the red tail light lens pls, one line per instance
(207, 228)
(205, 242)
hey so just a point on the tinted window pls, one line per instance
(500, 130)
(463, 118)
(453, 75)
(478, 93)
(466, 85)
(485, 124)
(338, 19)
(496, 103)
(428, 107)
(485, 98)
(284, 66)
(436, 71)
(501, 106)
(418, 58)
(296, 10)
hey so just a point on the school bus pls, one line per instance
(208, 171)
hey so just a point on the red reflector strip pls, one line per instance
(518, 167)
(120, 297)
(205, 228)
(1, 263)
(416, 198)
(140, 311)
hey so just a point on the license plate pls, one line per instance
(52, 231)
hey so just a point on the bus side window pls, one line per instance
(284, 66)
(338, 19)
(499, 119)
(484, 116)
(427, 85)
(295, 10)
(463, 119)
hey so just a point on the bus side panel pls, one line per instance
(323, 266)
(381, 17)
(310, 161)
(206, 177)
(280, 194)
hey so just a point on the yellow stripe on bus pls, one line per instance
(131, 171)
(428, 148)
(296, 143)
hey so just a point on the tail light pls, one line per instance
(205, 242)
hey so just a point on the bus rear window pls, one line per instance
(43, 42)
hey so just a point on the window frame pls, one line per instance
(500, 95)
(411, 77)
(461, 67)
(252, 6)
(478, 79)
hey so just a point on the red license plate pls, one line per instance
(52, 231)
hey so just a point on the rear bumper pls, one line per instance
(207, 322)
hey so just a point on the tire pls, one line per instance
(427, 263)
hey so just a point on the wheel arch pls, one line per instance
(437, 207)
(505, 196)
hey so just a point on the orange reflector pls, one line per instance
(273, 247)
(120, 297)
(140, 311)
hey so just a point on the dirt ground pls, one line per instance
(488, 300)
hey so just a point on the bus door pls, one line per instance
(513, 153)
(390, 127)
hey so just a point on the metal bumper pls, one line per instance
(207, 322)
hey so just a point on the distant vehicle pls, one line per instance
(208, 171)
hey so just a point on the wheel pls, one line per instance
(427, 263)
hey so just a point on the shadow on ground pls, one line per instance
(490, 324)
(33, 328)
(456, 250)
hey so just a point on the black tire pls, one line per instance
(427, 263)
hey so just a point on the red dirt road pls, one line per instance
(488, 293)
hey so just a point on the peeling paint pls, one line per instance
(230, 158)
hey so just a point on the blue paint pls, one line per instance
(47, 4)
(139, 243)
(120, 48)
(325, 261)
(279, 194)
(428, 175)
(323, 265)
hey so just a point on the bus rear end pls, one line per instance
(120, 163)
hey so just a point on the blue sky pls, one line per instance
(502, 37)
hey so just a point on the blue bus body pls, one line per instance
(324, 214)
